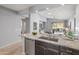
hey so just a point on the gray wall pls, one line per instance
(10, 26)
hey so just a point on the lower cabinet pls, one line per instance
(65, 51)
(33, 47)
(39, 50)
(42, 48)
(50, 52)
(68, 51)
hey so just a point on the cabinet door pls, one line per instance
(73, 51)
(65, 51)
(46, 48)
(29, 46)
(51, 52)
(39, 50)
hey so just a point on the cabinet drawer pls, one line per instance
(39, 50)
(69, 50)
(75, 52)
(65, 53)
(40, 43)
(52, 46)
(49, 51)
(72, 51)
(65, 50)
(47, 45)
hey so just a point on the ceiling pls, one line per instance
(17, 7)
(61, 12)
(41, 7)
(57, 11)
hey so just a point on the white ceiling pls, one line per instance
(62, 12)
(17, 7)
(55, 11)
(41, 7)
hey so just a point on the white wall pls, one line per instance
(35, 18)
(71, 20)
(77, 18)
(10, 26)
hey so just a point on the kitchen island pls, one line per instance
(63, 46)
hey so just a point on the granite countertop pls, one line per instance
(61, 40)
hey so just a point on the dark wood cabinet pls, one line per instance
(39, 50)
(42, 48)
(50, 52)
(65, 51)
(68, 51)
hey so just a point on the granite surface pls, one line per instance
(62, 40)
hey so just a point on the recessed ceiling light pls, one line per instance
(47, 8)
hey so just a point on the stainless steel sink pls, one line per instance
(48, 38)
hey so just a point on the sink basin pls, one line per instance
(48, 38)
